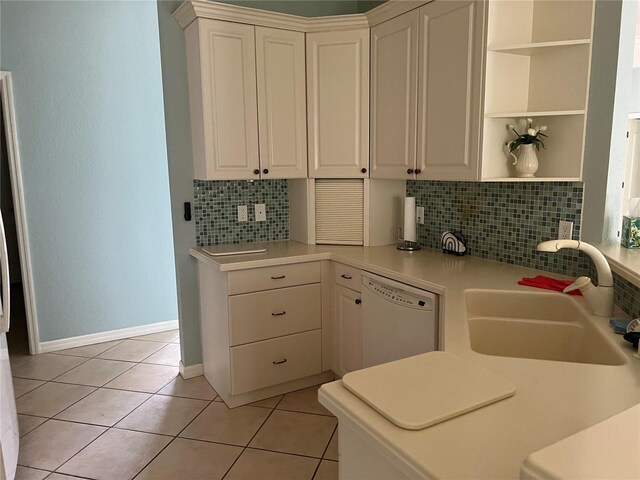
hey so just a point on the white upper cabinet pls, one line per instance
(280, 62)
(222, 99)
(449, 91)
(338, 103)
(248, 101)
(394, 62)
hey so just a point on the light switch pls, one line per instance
(420, 215)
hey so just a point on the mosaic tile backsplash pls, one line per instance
(627, 296)
(216, 211)
(505, 221)
(501, 221)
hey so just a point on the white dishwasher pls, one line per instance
(398, 320)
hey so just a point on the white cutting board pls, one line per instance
(237, 249)
(417, 392)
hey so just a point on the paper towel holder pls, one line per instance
(409, 246)
(409, 243)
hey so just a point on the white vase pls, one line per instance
(527, 162)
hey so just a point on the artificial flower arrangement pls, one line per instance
(534, 135)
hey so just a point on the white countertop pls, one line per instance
(553, 399)
(624, 261)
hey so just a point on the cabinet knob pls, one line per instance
(417, 171)
(279, 362)
(256, 172)
(364, 170)
(265, 171)
(410, 171)
(358, 301)
(346, 277)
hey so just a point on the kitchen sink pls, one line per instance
(544, 326)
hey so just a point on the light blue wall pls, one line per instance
(310, 8)
(90, 117)
(176, 105)
(305, 8)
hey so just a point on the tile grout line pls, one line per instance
(95, 389)
(52, 380)
(174, 437)
(244, 449)
(324, 452)
(306, 413)
(107, 429)
(127, 361)
(248, 447)
(135, 361)
(151, 394)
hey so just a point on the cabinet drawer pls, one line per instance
(274, 313)
(270, 362)
(347, 276)
(266, 278)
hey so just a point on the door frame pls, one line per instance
(15, 172)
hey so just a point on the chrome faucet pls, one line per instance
(599, 298)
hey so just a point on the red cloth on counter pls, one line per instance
(548, 283)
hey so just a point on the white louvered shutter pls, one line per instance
(340, 211)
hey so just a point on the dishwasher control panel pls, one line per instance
(398, 296)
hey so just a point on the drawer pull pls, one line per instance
(279, 314)
(346, 277)
(280, 362)
(280, 277)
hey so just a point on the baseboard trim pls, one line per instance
(120, 334)
(191, 371)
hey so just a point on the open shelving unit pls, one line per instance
(537, 65)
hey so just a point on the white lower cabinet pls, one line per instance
(262, 330)
(360, 460)
(349, 324)
(274, 313)
(270, 362)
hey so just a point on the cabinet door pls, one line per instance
(450, 79)
(338, 104)
(349, 320)
(222, 99)
(281, 103)
(394, 48)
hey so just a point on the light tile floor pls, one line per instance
(119, 410)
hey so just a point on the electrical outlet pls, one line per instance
(420, 215)
(261, 212)
(242, 213)
(565, 230)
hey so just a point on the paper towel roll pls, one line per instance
(410, 219)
